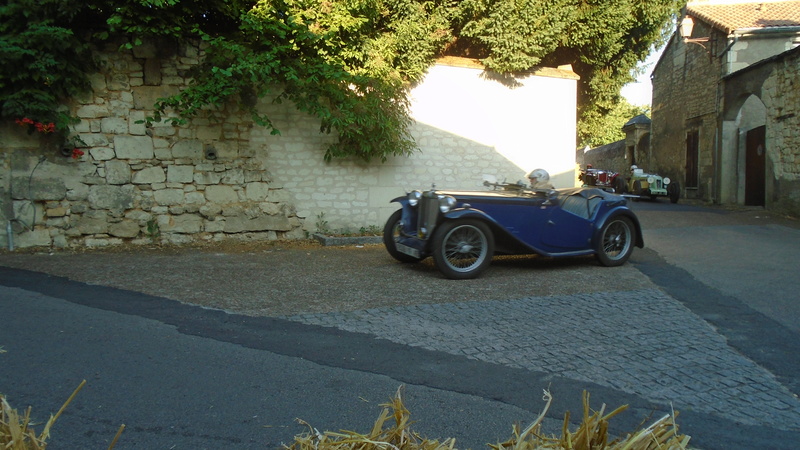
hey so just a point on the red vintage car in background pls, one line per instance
(602, 179)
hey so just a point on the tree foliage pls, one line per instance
(603, 40)
(512, 35)
(604, 129)
(43, 61)
(616, 36)
(348, 62)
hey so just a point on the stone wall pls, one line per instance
(684, 99)
(781, 95)
(137, 184)
(695, 91)
(765, 95)
(222, 177)
(608, 157)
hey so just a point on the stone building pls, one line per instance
(725, 102)
(221, 177)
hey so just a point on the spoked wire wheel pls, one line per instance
(463, 249)
(616, 241)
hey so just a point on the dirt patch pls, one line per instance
(292, 277)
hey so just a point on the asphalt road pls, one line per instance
(745, 254)
(706, 321)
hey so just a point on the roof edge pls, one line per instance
(564, 71)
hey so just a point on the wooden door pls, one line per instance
(755, 167)
(692, 150)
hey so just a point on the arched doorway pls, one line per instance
(751, 123)
(743, 127)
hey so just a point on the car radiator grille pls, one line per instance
(428, 214)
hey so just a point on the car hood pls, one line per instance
(488, 194)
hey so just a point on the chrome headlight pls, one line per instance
(666, 181)
(446, 203)
(413, 197)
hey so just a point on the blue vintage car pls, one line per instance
(463, 230)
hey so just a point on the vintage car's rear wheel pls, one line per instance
(462, 249)
(619, 185)
(616, 241)
(674, 191)
(391, 234)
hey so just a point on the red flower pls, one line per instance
(40, 127)
(76, 153)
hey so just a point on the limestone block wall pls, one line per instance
(135, 184)
(222, 177)
(781, 96)
(609, 157)
(689, 87)
(684, 99)
(467, 126)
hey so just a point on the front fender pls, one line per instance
(403, 200)
(409, 216)
(467, 213)
(619, 211)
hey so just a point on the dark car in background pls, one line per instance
(463, 230)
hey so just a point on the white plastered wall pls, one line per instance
(467, 125)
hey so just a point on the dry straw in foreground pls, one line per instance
(392, 431)
(591, 434)
(16, 432)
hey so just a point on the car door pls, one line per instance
(569, 225)
(523, 218)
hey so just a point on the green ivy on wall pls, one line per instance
(349, 63)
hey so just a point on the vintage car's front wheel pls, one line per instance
(616, 241)
(463, 249)
(391, 234)
(637, 188)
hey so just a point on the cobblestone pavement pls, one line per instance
(641, 341)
